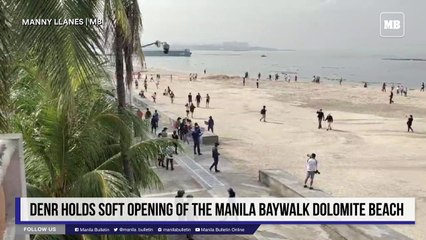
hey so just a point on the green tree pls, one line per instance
(123, 26)
(75, 151)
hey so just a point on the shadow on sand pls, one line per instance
(272, 122)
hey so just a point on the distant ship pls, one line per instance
(171, 53)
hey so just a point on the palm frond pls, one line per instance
(142, 156)
(68, 55)
(33, 191)
(103, 183)
(51, 237)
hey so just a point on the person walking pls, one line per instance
(391, 98)
(215, 155)
(191, 109)
(175, 137)
(207, 100)
(169, 157)
(210, 124)
(384, 87)
(320, 116)
(154, 124)
(198, 99)
(145, 85)
(154, 97)
(161, 158)
(189, 98)
(422, 89)
(258, 75)
(329, 120)
(311, 170)
(172, 96)
(410, 123)
(156, 115)
(263, 114)
(148, 114)
(196, 135)
(182, 130)
(187, 109)
(188, 131)
(257, 83)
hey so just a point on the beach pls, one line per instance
(367, 154)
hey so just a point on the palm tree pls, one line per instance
(122, 31)
(5, 65)
(75, 152)
(132, 44)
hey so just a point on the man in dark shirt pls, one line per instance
(198, 99)
(410, 123)
(215, 155)
(263, 113)
(196, 135)
(175, 137)
(189, 98)
(210, 124)
(320, 116)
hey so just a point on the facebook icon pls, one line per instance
(392, 24)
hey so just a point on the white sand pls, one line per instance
(368, 154)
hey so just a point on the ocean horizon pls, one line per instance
(358, 67)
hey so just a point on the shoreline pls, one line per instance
(324, 80)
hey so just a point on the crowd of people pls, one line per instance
(184, 129)
(187, 131)
(276, 76)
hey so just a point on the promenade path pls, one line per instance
(192, 174)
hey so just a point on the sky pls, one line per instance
(288, 24)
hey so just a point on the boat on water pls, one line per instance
(171, 53)
(263, 55)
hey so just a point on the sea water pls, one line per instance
(353, 66)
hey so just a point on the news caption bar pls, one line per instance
(191, 215)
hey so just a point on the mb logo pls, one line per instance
(392, 24)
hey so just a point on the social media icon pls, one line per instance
(197, 229)
(76, 229)
(159, 229)
(115, 229)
